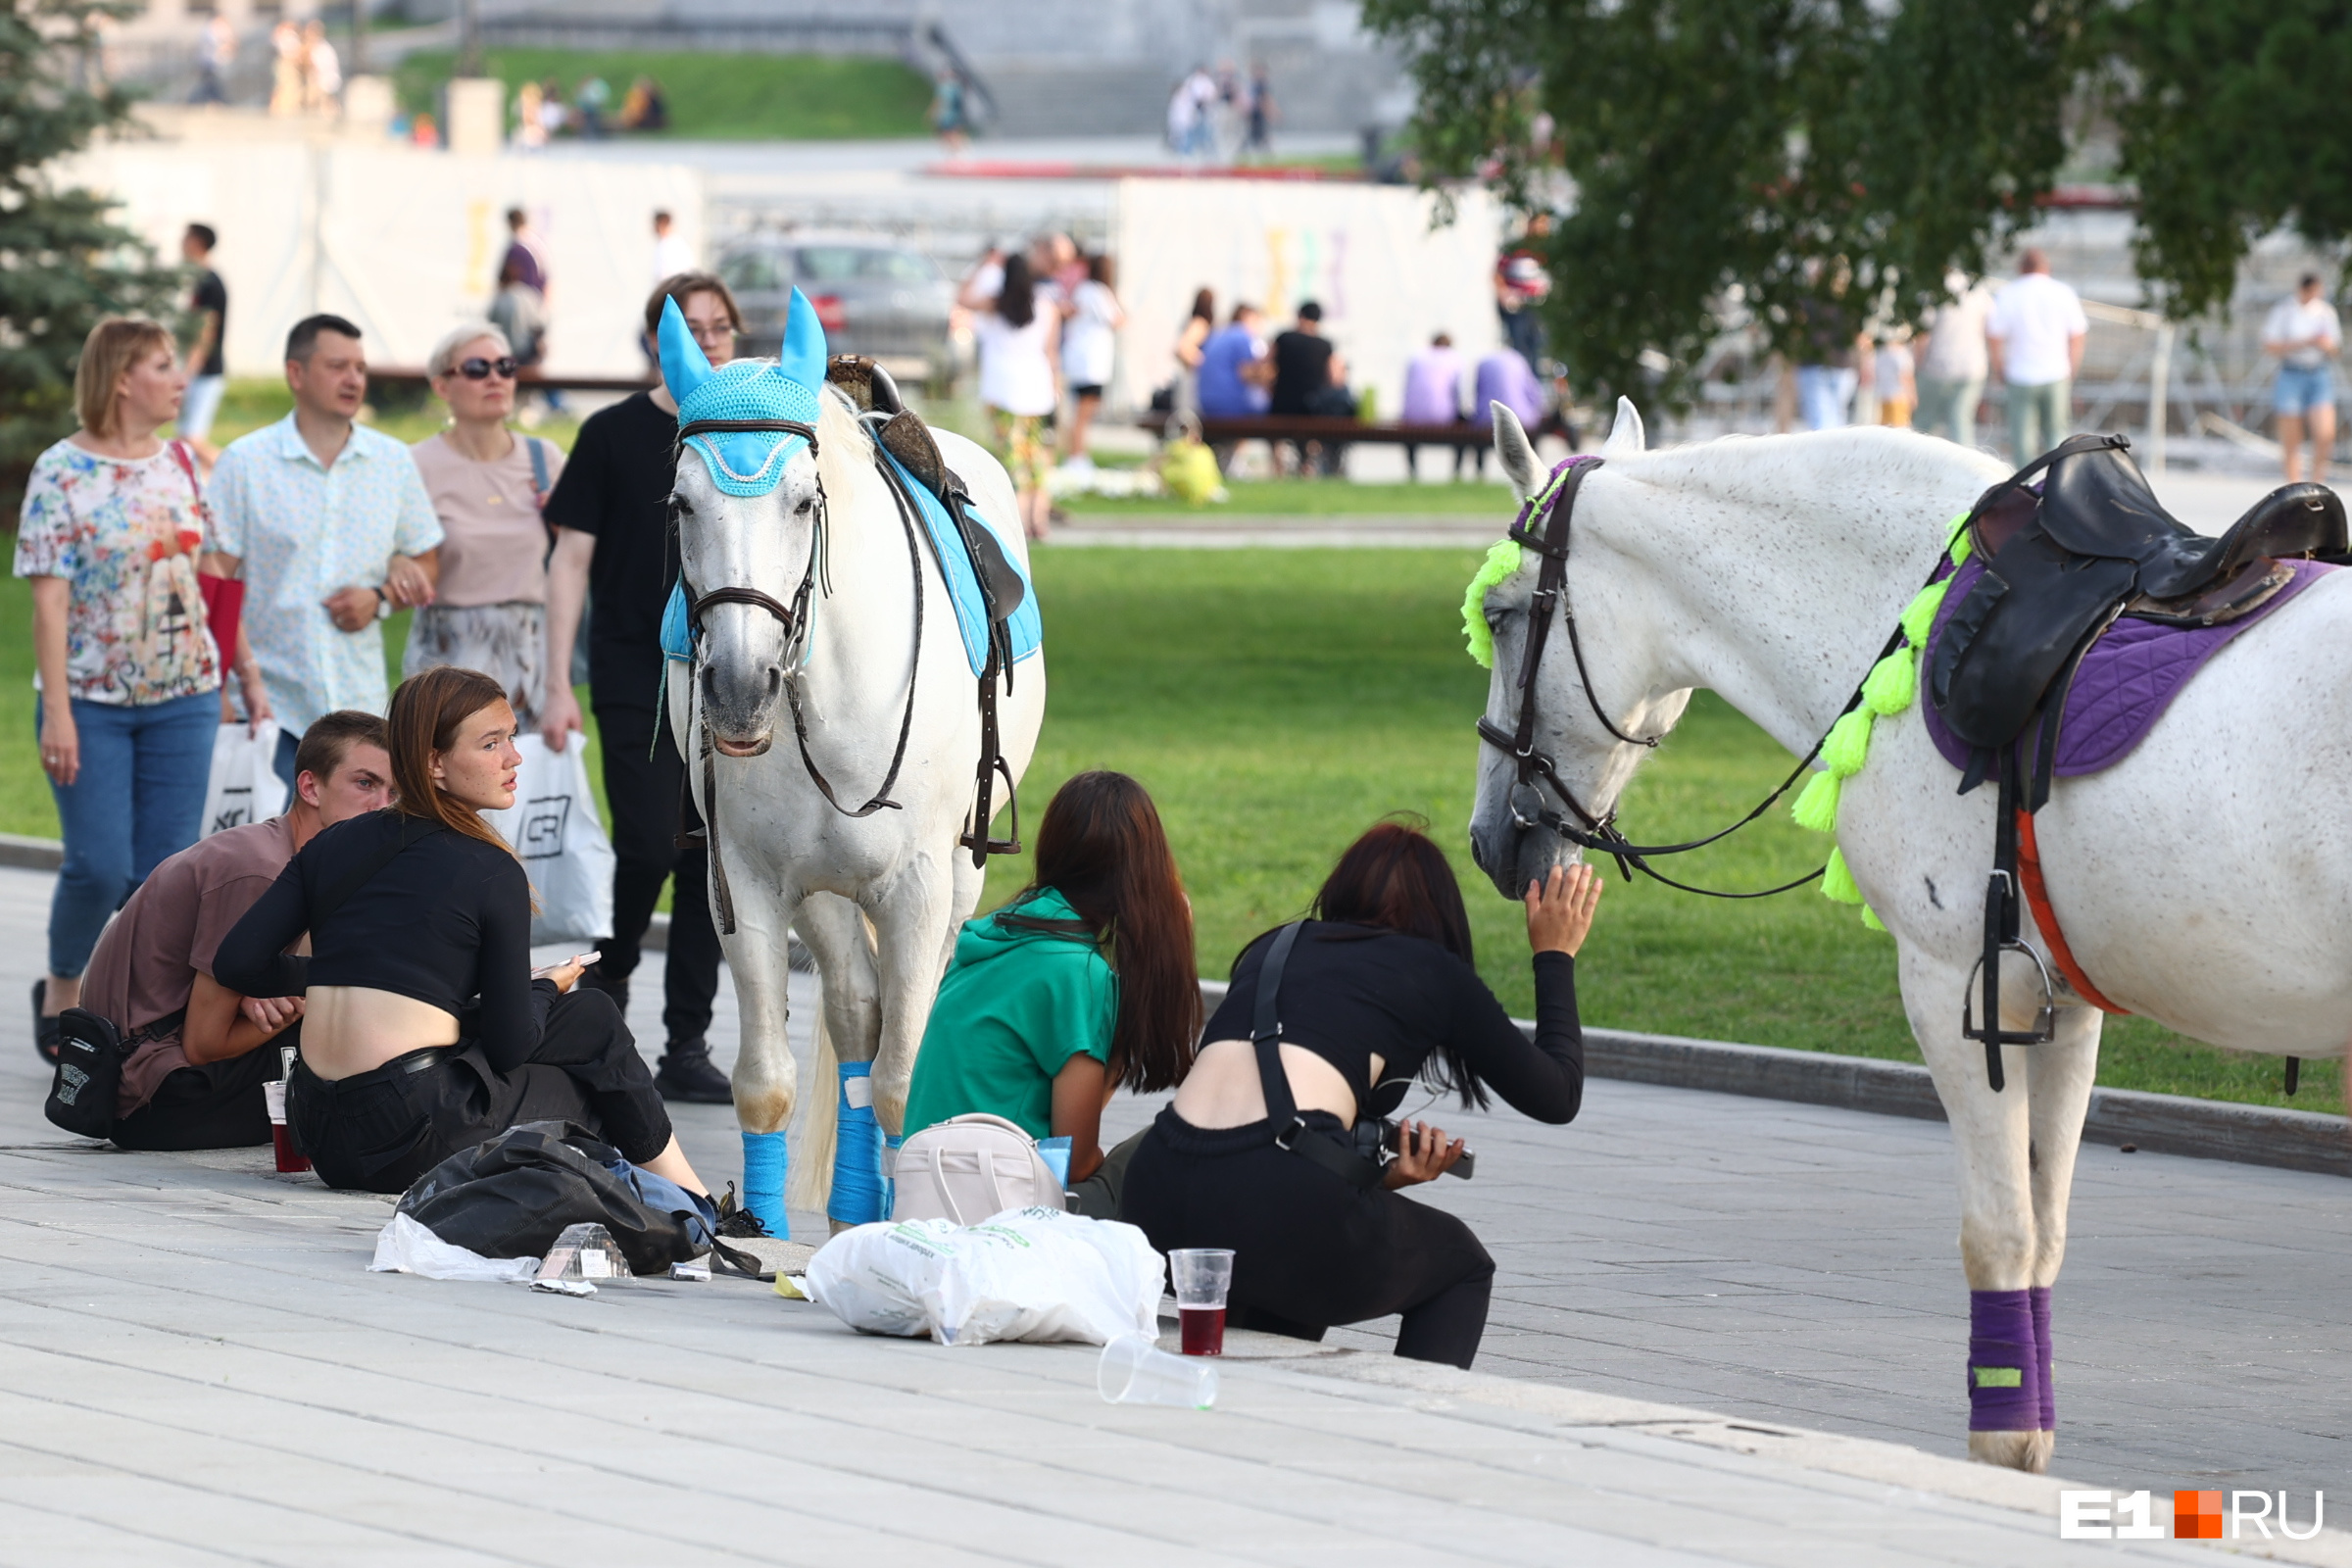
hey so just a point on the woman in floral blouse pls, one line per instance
(129, 677)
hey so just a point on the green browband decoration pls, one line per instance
(1503, 558)
(1891, 687)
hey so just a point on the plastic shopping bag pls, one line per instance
(1035, 1274)
(244, 786)
(404, 1246)
(554, 828)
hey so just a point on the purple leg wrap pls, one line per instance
(2004, 1362)
(2040, 1295)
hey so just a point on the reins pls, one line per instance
(1556, 505)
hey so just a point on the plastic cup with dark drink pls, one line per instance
(288, 1160)
(1202, 1276)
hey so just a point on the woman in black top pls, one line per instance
(1378, 988)
(424, 1031)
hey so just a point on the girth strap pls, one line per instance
(2037, 898)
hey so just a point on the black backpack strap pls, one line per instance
(1291, 1134)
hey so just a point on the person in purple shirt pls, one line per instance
(1433, 395)
(1505, 377)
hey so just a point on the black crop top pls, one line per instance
(447, 920)
(1350, 993)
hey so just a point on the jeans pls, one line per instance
(137, 801)
(1948, 409)
(2039, 418)
(1824, 395)
(2300, 390)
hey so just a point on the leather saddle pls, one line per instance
(2064, 559)
(905, 437)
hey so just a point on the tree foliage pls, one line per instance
(2232, 128)
(64, 262)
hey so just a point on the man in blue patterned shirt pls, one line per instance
(329, 523)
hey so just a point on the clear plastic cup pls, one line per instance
(1134, 1371)
(1202, 1275)
(289, 1162)
(584, 1252)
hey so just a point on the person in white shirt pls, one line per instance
(2303, 331)
(2036, 334)
(672, 255)
(1089, 337)
(1952, 362)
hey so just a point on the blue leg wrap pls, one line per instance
(763, 1180)
(890, 1185)
(858, 1155)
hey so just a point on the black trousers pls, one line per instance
(645, 785)
(1309, 1251)
(216, 1106)
(379, 1131)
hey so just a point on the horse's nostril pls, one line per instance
(775, 680)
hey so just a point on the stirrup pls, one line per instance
(2044, 1023)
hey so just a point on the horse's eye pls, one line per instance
(807, 505)
(1497, 615)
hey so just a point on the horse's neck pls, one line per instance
(1773, 575)
(864, 627)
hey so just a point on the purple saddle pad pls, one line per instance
(2126, 681)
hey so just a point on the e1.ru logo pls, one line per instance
(2196, 1516)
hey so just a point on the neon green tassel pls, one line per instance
(1816, 806)
(1837, 882)
(1870, 918)
(1919, 616)
(1502, 560)
(1893, 681)
(1848, 746)
(1962, 545)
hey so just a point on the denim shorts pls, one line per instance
(2299, 391)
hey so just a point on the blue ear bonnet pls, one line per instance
(748, 463)
(745, 462)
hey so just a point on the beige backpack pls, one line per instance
(968, 1168)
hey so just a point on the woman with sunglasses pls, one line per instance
(488, 484)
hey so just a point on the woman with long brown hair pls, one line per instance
(1376, 987)
(424, 1029)
(1083, 984)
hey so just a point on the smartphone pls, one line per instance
(583, 959)
(1393, 1136)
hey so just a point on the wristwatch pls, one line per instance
(383, 605)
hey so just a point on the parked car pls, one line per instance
(874, 296)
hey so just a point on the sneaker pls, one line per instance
(737, 1221)
(46, 1031)
(686, 1072)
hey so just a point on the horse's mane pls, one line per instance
(1766, 467)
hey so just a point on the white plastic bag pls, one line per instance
(244, 786)
(554, 828)
(1035, 1274)
(405, 1247)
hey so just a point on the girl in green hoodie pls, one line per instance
(1084, 982)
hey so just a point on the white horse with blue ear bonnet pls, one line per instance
(819, 590)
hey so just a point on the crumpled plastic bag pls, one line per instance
(1034, 1274)
(405, 1247)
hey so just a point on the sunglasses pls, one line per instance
(483, 369)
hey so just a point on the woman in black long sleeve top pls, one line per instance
(423, 1029)
(1377, 989)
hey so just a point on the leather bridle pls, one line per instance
(1555, 509)
(796, 622)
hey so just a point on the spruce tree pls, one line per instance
(64, 260)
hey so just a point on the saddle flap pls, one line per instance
(910, 440)
(2010, 639)
(2097, 502)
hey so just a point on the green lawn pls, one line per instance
(732, 97)
(1307, 498)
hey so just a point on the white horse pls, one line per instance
(807, 576)
(2205, 881)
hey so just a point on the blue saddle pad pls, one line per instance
(1026, 630)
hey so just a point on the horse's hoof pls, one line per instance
(2014, 1450)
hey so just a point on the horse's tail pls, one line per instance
(812, 1178)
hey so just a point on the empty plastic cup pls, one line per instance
(585, 1251)
(1056, 1153)
(1134, 1371)
(1202, 1276)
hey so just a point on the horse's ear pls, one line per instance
(1626, 437)
(1516, 453)
(684, 364)
(803, 358)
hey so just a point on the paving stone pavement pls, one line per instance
(201, 1337)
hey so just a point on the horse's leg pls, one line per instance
(2058, 1082)
(914, 924)
(1992, 1140)
(835, 930)
(766, 1079)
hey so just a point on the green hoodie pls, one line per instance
(1014, 1007)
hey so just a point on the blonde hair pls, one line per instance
(444, 357)
(114, 346)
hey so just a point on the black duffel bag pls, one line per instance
(513, 1196)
